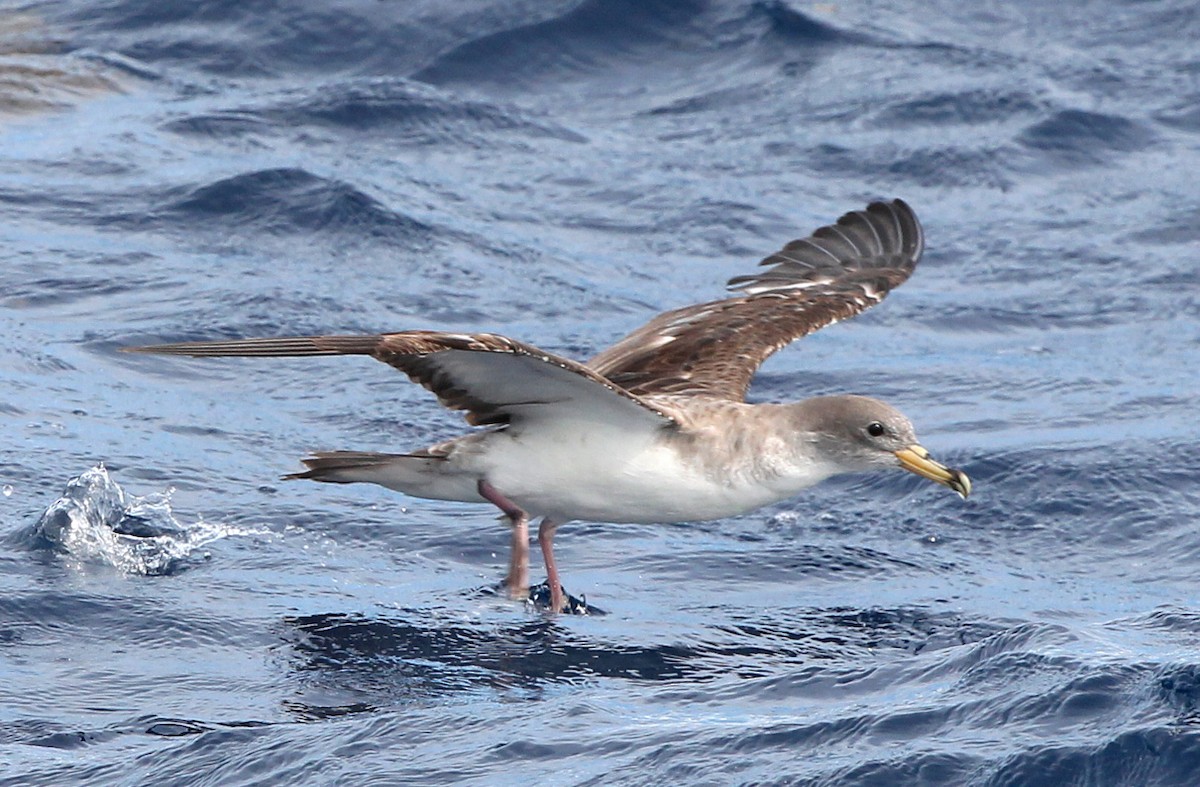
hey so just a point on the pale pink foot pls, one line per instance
(517, 581)
(546, 540)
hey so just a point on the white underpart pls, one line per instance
(732, 460)
(610, 475)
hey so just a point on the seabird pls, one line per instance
(655, 428)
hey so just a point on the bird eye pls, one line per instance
(875, 429)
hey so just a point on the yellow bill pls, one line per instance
(917, 460)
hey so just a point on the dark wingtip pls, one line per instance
(159, 349)
(279, 347)
(909, 225)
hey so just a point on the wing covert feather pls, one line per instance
(493, 378)
(714, 348)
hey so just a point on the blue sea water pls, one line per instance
(173, 614)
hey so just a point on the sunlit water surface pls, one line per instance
(172, 613)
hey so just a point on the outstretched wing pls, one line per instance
(493, 378)
(714, 348)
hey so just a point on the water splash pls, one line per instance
(95, 521)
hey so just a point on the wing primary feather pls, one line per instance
(284, 347)
(465, 371)
(707, 349)
(714, 348)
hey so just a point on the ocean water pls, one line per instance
(171, 613)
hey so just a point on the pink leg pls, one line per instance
(518, 559)
(546, 540)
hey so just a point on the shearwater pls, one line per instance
(655, 428)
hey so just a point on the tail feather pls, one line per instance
(338, 467)
(345, 467)
(419, 475)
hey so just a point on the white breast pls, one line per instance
(642, 476)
